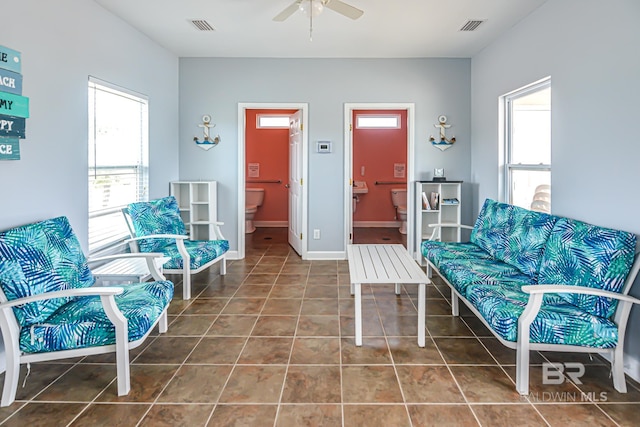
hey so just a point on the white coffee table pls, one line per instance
(384, 264)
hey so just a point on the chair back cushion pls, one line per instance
(160, 216)
(582, 254)
(37, 258)
(513, 234)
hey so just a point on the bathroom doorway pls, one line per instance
(272, 169)
(379, 164)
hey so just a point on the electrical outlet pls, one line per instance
(316, 234)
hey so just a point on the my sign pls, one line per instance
(14, 105)
(9, 149)
(10, 59)
(12, 126)
(10, 82)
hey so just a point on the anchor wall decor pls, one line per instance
(443, 143)
(207, 143)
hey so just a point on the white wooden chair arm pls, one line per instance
(447, 225)
(79, 292)
(545, 289)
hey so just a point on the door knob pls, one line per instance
(286, 186)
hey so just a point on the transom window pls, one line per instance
(118, 159)
(378, 121)
(271, 121)
(527, 146)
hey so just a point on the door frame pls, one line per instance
(242, 107)
(409, 107)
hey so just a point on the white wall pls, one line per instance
(590, 50)
(216, 85)
(62, 43)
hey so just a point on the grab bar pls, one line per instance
(390, 183)
(264, 181)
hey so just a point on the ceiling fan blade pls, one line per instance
(344, 9)
(287, 12)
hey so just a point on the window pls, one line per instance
(118, 159)
(527, 146)
(273, 121)
(377, 121)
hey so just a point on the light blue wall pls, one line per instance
(590, 50)
(216, 85)
(62, 43)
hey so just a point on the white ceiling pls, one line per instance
(388, 28)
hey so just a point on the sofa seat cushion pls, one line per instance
(513, 234)
(557, 322)
(582, 254)
(200, 251)
(436, 251)
(161, 216)
(42, 257)
(82, 321)
(464, 272)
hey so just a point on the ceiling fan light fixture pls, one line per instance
(311, 8)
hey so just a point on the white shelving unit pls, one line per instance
(197, 201)
(442, 213)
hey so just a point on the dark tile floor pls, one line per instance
(272, 344)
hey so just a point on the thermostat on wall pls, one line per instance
(323, 147)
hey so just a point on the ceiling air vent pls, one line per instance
(471, 25)
(202, 25)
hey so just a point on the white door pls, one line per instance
(295, 181)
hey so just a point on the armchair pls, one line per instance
(49, 308)
(156, 226)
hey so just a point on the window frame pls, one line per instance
(506, 117)
(115, 237)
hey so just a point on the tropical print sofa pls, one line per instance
(156, 226)
(542, 282)
(49, 308)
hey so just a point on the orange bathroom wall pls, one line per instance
(269, 148)
(378, 150)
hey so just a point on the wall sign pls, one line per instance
(14, 108)
(9, 149)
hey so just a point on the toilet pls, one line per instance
(399, 200)
(253, 198)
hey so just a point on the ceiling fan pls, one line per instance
(313, 8)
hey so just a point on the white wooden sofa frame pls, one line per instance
(11, 330)
(186, 271)
(536, 295)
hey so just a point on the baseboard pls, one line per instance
(280, 224)
(377, 224)
(232, 255)
(320, 255)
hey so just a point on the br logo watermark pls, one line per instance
(554, 373)
(558, 373)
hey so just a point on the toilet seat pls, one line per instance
(402, 209)
(250, 208)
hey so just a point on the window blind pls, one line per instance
(118, 160)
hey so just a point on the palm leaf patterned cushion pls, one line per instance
(582, 254)
(557, 322)
(83, 323)
(37, 258)
(513, 235)
(161, 216)
(200, 251)
(436, 251)
(465, 272)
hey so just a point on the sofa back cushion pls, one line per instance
(161, 216)
(37, 258)
(513, 235)
(582, 254)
